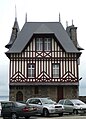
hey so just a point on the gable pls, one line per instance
(54, 43)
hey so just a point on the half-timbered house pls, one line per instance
(44, 61)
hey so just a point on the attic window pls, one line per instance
(39, 44)
(47, 44)
(43, 44)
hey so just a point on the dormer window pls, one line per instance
(39, 44)
(47, 44)
(43, 44)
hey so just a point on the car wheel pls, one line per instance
(45, 112)
(70, 113)
(60, 114)
(14, 116)
(4, 117)
(27, 117)
(75, 111)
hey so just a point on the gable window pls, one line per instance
(39, 44)
(43, 44)
(55, 70)
(31, 70)
(47, 44)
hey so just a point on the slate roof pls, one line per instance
(31, 28)
(15, 31)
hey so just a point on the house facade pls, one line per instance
(44, 61)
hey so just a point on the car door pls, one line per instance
(68, 106)
(36, 103)
(6, 109)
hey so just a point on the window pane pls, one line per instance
(29, 73)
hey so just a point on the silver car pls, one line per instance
(46, 106)
(73, 106)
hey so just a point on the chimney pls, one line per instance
(72, 32)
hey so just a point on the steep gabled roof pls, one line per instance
(31, 28)
(14, 34)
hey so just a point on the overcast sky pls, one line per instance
(41, 10)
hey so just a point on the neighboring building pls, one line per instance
(44, 60)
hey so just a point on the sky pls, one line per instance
(41, 11)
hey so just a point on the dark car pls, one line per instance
(14, 110)
(46, 106)
(75, 106)
(0, 108)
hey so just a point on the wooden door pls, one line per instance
(19, 96)
(59, 93)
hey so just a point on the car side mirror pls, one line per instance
(71, 104)
(39, 103)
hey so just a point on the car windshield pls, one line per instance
(47, 101)
(61, 102)
(78, 102)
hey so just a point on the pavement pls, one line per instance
(56, 117)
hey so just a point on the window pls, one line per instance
(34, 101)
(7, 104)
(43, 44)
(61, 102)
(39, 44)
(55, 70)
(47, 44)
(37, 101)
(31, 101)
(68, 102)
(31, 70)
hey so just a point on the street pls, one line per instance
(56, 117)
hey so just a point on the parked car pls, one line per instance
(14, 110)
(0, 108)
(46, 106)
(73, 106)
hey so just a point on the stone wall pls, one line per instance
(44, 91)
(70, 92)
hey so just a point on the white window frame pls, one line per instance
(31, 70)
(55, 70)
(43, 44)
(39, 44)
(47, 44)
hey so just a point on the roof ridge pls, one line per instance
(43, 22)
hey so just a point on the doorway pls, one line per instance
(19, 96)
(59, 93)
